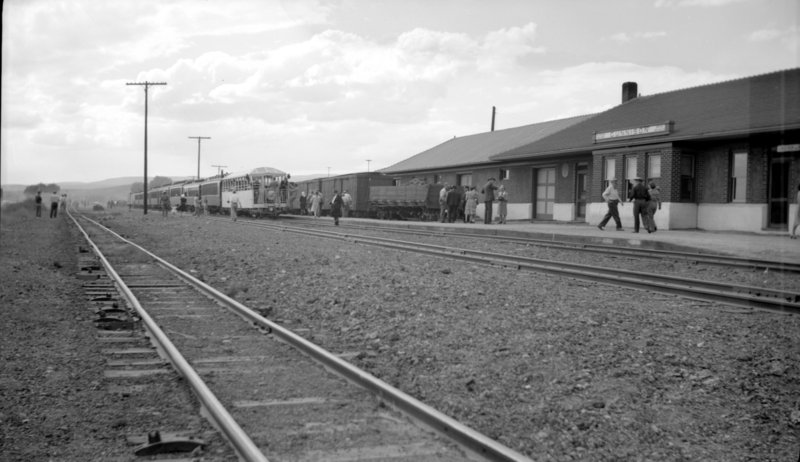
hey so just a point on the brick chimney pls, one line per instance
(629, 91)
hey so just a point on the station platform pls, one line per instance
(774, 246)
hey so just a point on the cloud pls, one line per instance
(695, 3)
(624, 37)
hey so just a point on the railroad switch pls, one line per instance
(156, 445)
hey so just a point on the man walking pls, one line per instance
(611, 196)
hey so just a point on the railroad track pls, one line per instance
(720, 292)
(268, 390)
(554, 243)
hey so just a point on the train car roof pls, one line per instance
(258, 171)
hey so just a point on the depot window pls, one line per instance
(654, 167)
(687, 178)
(610, 171)
(505, 174)
(739, 177)
(631, 165)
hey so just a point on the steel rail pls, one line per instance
(441, 423)
(743, 296)
(657, 254)
(240, 441)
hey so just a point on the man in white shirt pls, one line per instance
(611, 196)
(234, 205)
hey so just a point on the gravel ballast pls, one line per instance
(555, 368)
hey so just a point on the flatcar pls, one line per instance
(406, 202)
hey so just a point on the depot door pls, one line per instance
(581, 192)
(779, 192)
(545, 193)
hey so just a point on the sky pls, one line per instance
(334, 87)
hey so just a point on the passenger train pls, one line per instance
(263, 191)
(267, 191)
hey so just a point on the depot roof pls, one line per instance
(759, 104)
(480, 147)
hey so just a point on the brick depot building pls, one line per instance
(726, 156)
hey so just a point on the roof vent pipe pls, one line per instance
(629, 91)
(494, 110)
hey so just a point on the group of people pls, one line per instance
(56, 202)
(646, 202)
(200, 205)
(312, 204)
(461, 203)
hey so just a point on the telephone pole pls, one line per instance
(146, 86)
(219, 168)
(199, 138)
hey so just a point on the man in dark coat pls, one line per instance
(488, 198)
(639, 198)
(453, 200)
(336, 207)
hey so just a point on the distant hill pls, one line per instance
(113, 189)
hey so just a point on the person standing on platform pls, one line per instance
(639, 198)
(653, 204)
(797, 213)
(316, 203)
(165, 205)
(234, 200)
(452, 199)
(62, 203)
(182, 207)
(198, 205)
(611, 196)
(488, 198)
(303, 203)
(337, 203)
(347, 204)
(54, 205)
(443, 202)
(502, 204)
(38, 201)
(471, 205)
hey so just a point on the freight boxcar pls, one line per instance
(356, 184)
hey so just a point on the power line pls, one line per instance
(146, 87)
(199, 138)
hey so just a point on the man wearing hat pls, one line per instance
(639, 198)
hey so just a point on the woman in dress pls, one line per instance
(502, 204)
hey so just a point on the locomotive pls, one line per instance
(263, 191)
